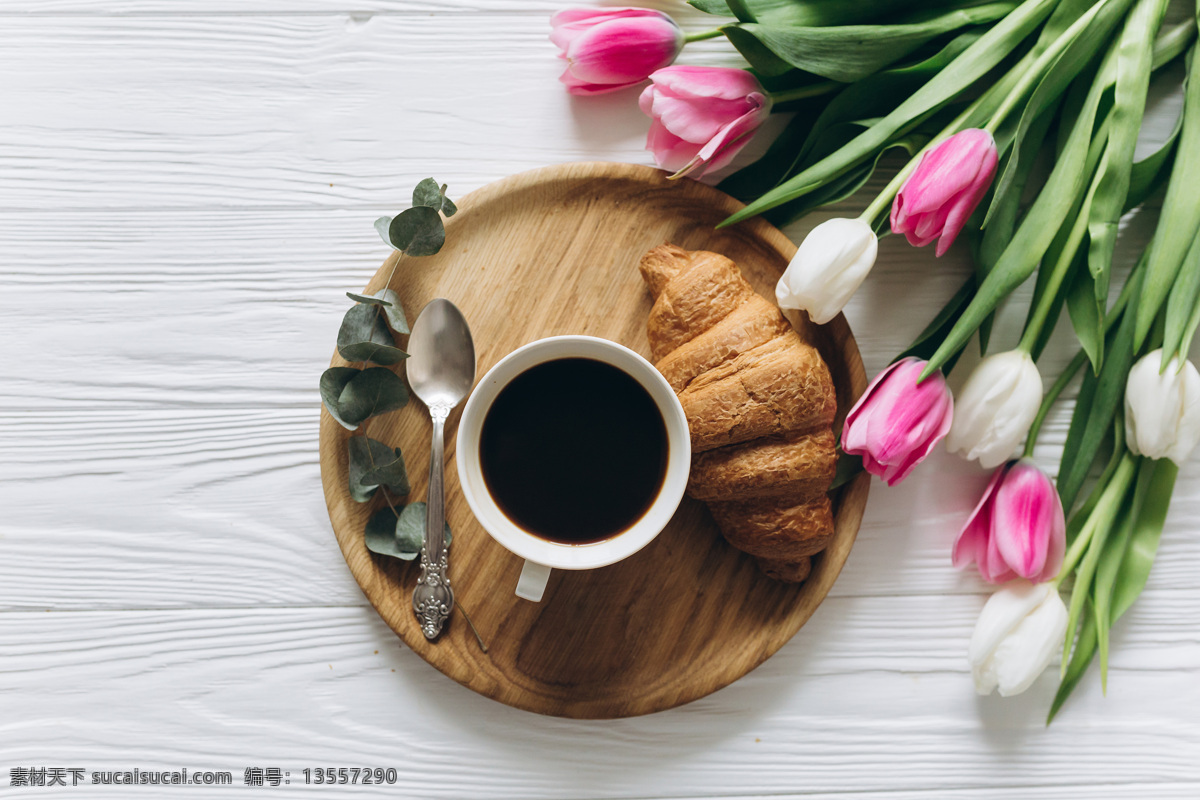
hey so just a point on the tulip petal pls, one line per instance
(971, 544)
(1024, 518)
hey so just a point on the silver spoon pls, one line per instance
(441, 371)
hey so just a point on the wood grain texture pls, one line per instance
(173, 269)
(552, 252)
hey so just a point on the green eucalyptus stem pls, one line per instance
(1051, 396)
(801, 92)
(699, 36)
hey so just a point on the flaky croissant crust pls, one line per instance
(760, 405)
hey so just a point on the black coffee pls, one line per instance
(573, 450)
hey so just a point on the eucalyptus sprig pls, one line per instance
(353, 395)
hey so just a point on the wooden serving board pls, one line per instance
(555, 251)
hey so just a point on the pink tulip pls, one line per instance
(1017, 530)
(897, 421)
(701, 116)
(607, 49)
(944, 189)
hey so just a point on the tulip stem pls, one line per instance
(1051, 396)
(801, 92)
(1039, 67)
(700, 36)
(1103, 512)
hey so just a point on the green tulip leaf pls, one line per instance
(418, 231)
(1135, 52)
(333, 382)
(374, 464)
(977, 60)
(364, 336)
(847, 53)
(371, 392)
(1180, 218)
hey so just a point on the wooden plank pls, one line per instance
(161, 112)
(844, 708)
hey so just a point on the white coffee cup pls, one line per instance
(541, 555)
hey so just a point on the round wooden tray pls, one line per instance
(555, 251)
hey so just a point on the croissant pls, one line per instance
(760, 405)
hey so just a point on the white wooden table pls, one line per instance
(186, 190)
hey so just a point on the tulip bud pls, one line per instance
(1162, 409)
(701, 117)
(1018, 529)
(995, 408)
(938, 198)
(1018, 632)
(607, 49)
(833, 260)
(897, 421)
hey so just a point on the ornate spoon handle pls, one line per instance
(433, 599)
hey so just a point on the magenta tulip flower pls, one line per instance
(940, 195)
(701, 116)
(898, 421)
(607, 49)
(1017, 530)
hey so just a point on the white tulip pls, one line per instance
(995, 408)
(828, 268)
(1019, 630)
(1162, 409)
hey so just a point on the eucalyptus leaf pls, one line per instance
(374, 464)
(333, 382)
(393, 310)
(410, 530)
(371, 392)
(362, 298)
(380, 534)
(429, 193)
(977, 60)
(418, 231)
(1180, 217)
(364, 336)
(382, 226)
(390, 472)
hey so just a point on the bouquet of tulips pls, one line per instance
(975, 95)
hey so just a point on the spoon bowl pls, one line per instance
(441, 363)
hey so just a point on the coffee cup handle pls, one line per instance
(532, 583)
